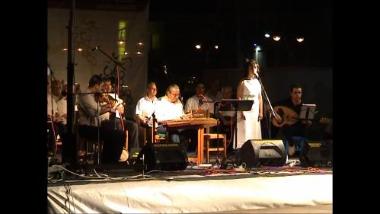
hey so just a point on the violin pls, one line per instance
(105, 99)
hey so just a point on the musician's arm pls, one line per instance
(260, 107)
(142, 119)
(139, 112)
(307, 122)
(239, 96)
(186, 116)
(239, 91)
(91, 106)
(188, 106)
(120, 109)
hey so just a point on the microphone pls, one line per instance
(256, 72)
(96, 48)
(49, 70)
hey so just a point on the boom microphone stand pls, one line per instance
(118, 65)
(266, 98)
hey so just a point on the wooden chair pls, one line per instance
(208, 137)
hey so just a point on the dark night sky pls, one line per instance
(222, 21)
(235, 26)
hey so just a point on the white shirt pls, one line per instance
(193, 104)
(166, 110)
(51, 104)
(62, 109)
(145, 107)
(106, 116)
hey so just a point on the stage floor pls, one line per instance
(194, 190)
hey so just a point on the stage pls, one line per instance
(290, 189)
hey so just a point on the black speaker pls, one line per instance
(161, 156)
(316, 154)
(262, 152)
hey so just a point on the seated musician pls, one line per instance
(170, 107)
(199, 105)
(294, 135)
(145, 108)
(111, 96)
(91, 125)
(62, 110)
(226, 115)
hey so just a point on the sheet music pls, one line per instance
(307, 111)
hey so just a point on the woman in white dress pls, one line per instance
(248, 122)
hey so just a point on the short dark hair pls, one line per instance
(95, 79)
(294, 85)
(109, 79)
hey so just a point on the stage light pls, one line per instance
(255, 44)
(125, 53)
(198, 47)
(79, 49)
(276, 38)
(216, 47)
(121, 42)
(140, 43)
(65, 49)
(258, 48)
(300, 39)
(267, 35)
(139, 52)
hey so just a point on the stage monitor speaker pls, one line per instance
(262, 152)
(316, 154)
(162, 156)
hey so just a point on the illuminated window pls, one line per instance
(122, 39)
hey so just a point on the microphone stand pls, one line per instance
(51, 90)
(52, 109)
(117, 65)
(97, 118)
(218, 124)
(271, 111)
(69, 142)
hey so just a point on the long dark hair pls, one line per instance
(250, 63)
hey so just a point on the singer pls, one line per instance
(248, 122)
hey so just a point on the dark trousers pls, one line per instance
(133, 133)
(113, 139)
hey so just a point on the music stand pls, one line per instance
(234, 105)
(307, 111)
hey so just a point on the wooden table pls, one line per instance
(198, 123)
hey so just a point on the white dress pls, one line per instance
(249, 128)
